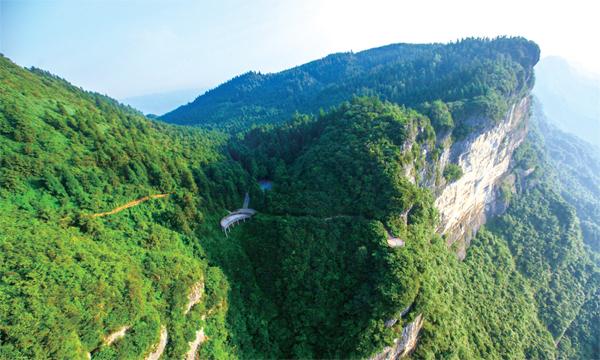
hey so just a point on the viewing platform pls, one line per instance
(238, 215)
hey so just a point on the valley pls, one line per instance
(417, 206)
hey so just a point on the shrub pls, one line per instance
(452, 172)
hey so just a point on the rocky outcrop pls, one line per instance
(198, 340)
(194, 296)
(393, 321)
(484, 158)
(116, 335)
(160, 347)
(465, 204)
(405, 344)
(393, 241)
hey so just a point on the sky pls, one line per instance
(126, 48)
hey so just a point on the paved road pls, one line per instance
(236, 216)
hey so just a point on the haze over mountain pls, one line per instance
(570, 97)
(419, 209)
(160, 103)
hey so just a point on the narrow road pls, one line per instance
(129, 204)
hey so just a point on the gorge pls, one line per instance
(413, 211)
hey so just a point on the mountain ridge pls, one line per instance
(254, 98)
(299, 280)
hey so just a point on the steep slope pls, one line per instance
(577, 167)
(319, 248)
(351, 253)
(544, 233)
(480, 70)
(484, 159)
(320, 243)
(565, 164)
(68, 279)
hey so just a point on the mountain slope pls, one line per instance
(342, 260)
(68, 280)
(521, 285)
(480, 70)
(319, 242)
(543, 230)
(577, 167)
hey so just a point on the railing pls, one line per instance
(238, 215)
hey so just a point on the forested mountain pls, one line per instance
(110, 240)
(483, 71)
(577, 165)
(572, 168)
(69, 279)
(522, 282)
(553, 189)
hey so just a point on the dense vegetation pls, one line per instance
(67, 279)
(519, 289)
(570, 166)
(452, 172)
(474, 76)
(577, 168)
(312, 275)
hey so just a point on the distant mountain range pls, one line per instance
(160, 103)
(570, 97)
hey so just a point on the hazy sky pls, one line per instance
(125, 47)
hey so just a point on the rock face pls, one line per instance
(393, 241)
(403, 345)
(464, 205)
(160, 347)
(111, 338)
(485, 158)
(200, 337)
(194, 296)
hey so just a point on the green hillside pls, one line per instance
(473, 74)
(521, 285)
(68, 279)
(110, 219)
(577, 167)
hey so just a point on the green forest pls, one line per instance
(312, 274)
(473, 76)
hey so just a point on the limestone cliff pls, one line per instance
(465, 204)
(403, 345)
(484, 158)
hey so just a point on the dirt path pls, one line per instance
(129, 204)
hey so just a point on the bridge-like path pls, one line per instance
(238, 215)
